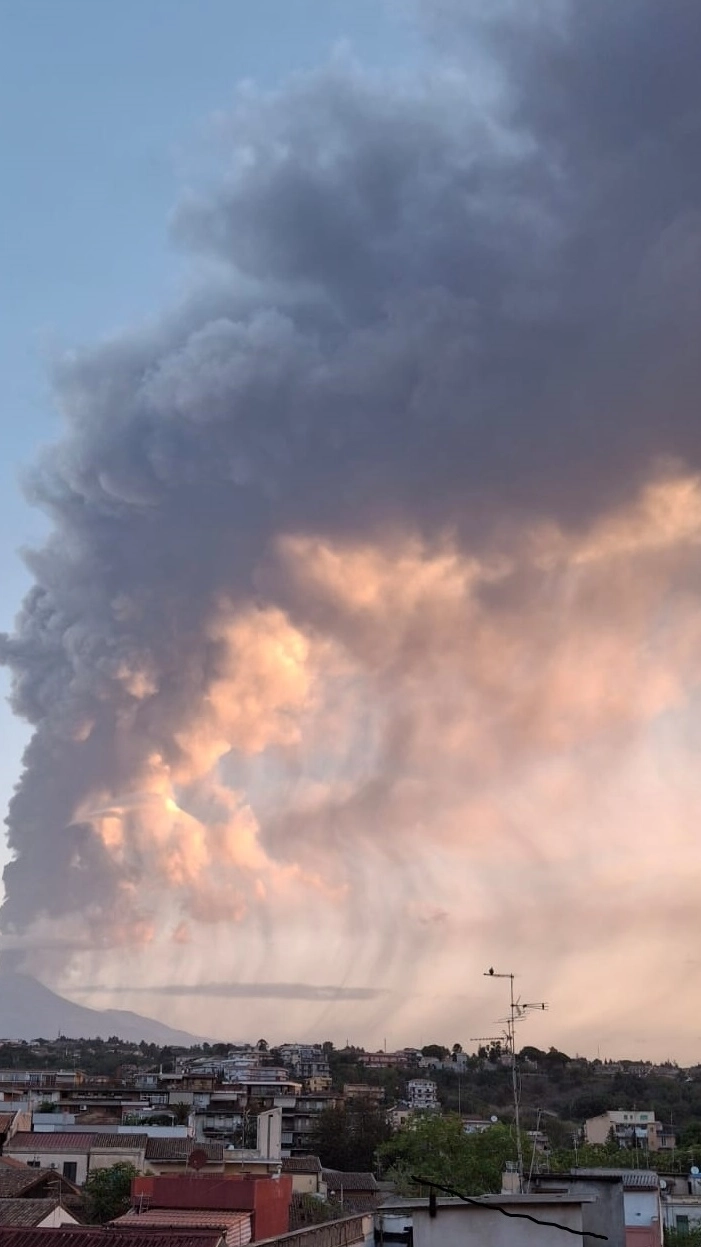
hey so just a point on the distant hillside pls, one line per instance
(29, 1010)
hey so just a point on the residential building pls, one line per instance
(74, 1155)
(399, 1115)
(384, 1060)
(681, 1201)
(476, 1125)
(422, 1093)
(355, 1192)
(364, 1091)
(305, 1060)
(604, 1215)
(266, 1200)
(631, 1128)
(317, 1083)
(305, 1172)
(642, 1205)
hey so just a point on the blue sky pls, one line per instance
(107, 108)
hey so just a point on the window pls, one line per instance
(70, 1170)
(683, 1224)
(34, 1164)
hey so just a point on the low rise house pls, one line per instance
(355, 1192)
(399, 1115)
(476, 1125)
(364, 1091)
(74, 1155)
(306, 1174)
(681, 1201)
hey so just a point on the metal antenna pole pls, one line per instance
(517, 1012)
(514, 1082)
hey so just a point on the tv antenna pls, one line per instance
(518, 1011)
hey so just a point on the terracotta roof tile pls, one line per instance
(183, 1217)
(26, 1211)
(301, 1164)
(14, 1182)
(96, 1236)
(336, 1179)
(180, 1149)
(36, 1142)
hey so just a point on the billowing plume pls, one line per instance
(372, 601)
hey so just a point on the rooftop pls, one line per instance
(73, 1141)
(180, 1149)
(25, 1211)
(301, 1164)
(336, 1180)
(184, 1218)
(633, 1179)
(95, 1236)
(13, 1182)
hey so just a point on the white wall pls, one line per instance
(54, 1160)
(641, 1208)
(58, 1217)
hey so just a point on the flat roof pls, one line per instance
(519, 1201)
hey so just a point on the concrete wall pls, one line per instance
(305, 1183)
(348, 1232)
(596, 1129)
(604, 1216)
(470, 1226)
(116, 1156)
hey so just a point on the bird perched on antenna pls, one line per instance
(491, 970)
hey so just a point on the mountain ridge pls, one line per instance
(30, 1010)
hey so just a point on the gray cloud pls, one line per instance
(437, 314)
(252, 991)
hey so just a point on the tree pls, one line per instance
(181, 1112)
(348, 1137)
(108, 1193)
(262, 1045)
(437, 1148)
(435, 1050)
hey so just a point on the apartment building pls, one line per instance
(422, 1093)
(631, 1128)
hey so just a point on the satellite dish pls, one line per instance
(493, 1118)
(695, 1171)
(197, 1159)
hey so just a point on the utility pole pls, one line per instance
(517, 1012)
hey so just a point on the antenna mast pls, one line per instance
(517, 1012)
